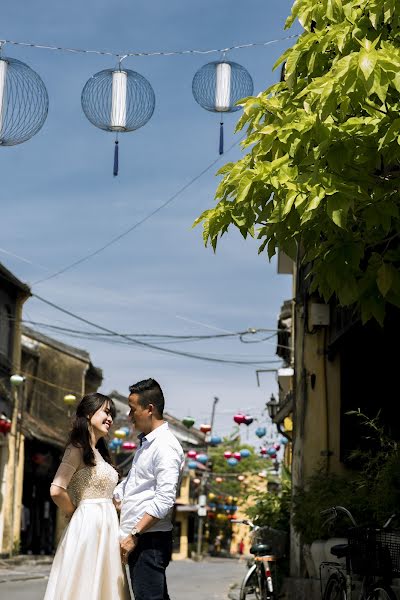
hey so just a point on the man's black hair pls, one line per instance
(149, 392)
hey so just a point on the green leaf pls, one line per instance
(384, 278)
(337, 209)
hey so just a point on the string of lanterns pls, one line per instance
(116, 100)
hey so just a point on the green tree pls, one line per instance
(323, 163)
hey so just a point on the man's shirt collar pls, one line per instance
(153, 434)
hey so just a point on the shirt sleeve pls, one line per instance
(70, 463)
(167, 471)
(119, 491)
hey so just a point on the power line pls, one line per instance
(147, 344)
(138, 223)
(122, 55)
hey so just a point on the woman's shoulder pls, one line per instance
(73, 455)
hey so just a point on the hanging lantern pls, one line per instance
(219, 479)
(202, 459)
(271, 451)
(227, 454)
(284, 441)
(196, 481)
(245, 453)
(248, 420)
(117, 442)
(205, 428)
(277, 447)
(232, 462)
(24, 102)
(118, 100)
(192, 454)
(120, 434)
(69, 399)
(211, 496)
(126, 429)
(241, 478)
(239, 418)
(261, 431)
(215, 440)
(192, 464)
(237, 456)
(218, 85)
(263, 451)
(128, 446)
(188, 422)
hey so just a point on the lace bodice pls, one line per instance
(93, 482)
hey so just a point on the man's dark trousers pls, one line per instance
(147, 564)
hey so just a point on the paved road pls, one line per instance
(207, 580)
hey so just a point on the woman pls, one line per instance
(87, 564)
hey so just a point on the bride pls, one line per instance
(87, 563)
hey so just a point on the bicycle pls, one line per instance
(373, 554)
(267, 546)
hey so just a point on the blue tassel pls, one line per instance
(116, 159)
(221, 138)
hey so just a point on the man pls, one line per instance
(147, 496)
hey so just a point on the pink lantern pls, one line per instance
(128, 446)
(277, 447)
(248, 420)
(205, 428)
(263, 451)
(196, 481)
(192, 454)
(239, 418)
(227, 454)
(237, 455)
(218, 479)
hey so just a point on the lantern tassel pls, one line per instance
(116, 158)
(221, 137)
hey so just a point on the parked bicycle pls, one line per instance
(268, 545)
(373, 554)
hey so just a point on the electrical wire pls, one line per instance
(138, 223)
(148, 345)
(122, 55)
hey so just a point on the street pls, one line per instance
(207, 580)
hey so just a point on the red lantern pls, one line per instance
(205, 428)
(2, 425)
(237, 455)
(263, 451)
(7, 426)
(277, 447)
(272, 455)
(227, 454)
(248, 420)
(239, 418)
(192, 454)
(128, 446)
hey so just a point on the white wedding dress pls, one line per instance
(87, 564)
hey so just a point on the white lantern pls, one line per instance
(118, 101)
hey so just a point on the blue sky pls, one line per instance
(60, 200)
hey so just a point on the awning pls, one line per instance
(36, 429)
(186, 508)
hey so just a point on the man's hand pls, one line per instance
(117, 503)
(127, 545)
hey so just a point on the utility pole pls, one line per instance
(202, 502)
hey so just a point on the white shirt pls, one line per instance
(152, 483)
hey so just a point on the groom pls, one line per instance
(147, 496)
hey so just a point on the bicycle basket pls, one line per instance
(274, 538)
(374, 551)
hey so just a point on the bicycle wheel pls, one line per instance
(250, 588)
(380, 591)
(335, 588)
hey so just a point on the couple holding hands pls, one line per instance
(90, 558)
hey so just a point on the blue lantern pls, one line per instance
(261, 431)
(117, 442)
(202, 459)
(192, 464)
(118, 100)
(232, 462)
(215, 440)
(284, 441)
(125, 430)
(245, 453)
(271, 451)
(218, 85)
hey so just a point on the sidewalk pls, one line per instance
(24, 567)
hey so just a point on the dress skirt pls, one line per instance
(87, 564)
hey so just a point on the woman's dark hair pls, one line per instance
(80, 435)
(149, 392)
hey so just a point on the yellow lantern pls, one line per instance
(120, 434)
